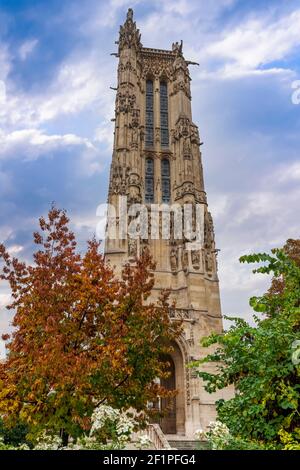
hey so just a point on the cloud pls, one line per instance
(5, 232)
(33, 143)
(256, 43)
(5, 64)
(15, 249)
(104, 134)
(79, 84)
(2, 93)
(26, 49)
(252, 221)
(288, 173)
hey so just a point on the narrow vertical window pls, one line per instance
(164, 120)
(165, 180)
(149, 114)
(149, 180)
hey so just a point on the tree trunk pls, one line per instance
(64, 437)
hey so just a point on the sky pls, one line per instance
(56, 107)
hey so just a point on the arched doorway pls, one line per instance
(168, 405)
(172, 411)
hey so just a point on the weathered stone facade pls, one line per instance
(142, 145)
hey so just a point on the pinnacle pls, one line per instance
(129, 15)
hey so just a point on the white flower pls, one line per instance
(46, 441)
(143, 442)
(200, 434)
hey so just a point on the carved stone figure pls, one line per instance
(174, 259)
(177, 47)
(185, 260)
(134, 137)
(208, 262)
(195, 255)
(187, 153)
(208, 232)
(125, 101)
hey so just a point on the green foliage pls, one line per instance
(218, 437)
(15, 435)
(112, 429)
(261, 362)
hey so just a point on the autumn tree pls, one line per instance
(81, 336)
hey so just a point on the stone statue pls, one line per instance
(129, 15)
(177, 47)
(174, 260)
(185, 260)
(196, 259)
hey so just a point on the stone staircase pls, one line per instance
(161, 441)
(183, 445)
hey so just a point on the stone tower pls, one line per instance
(157, 160)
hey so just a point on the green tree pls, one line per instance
(262, 361)
(14, 436)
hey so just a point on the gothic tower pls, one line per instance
(157, 160)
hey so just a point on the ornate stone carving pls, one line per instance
(177, 47)
(186, 129)
(125, 101)
(194, 132)
(129, 35)
(208, 262)
(119, 179)
(185, 260)
(172, 133)
(134, 126)
(157, 65)
(134, 192)
(209, 235)
(196, 257)
(188, 187)
(126, 67)
(182, 314)
(134, 179)
(135, 118)
(182, 84)
(187, 153)
(181, 73)
(182, 128)
(134, 196)
(134, 138)
(209, 243)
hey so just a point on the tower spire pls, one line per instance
(129, 35)
(157, 166)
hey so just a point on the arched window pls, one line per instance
(164, 120)
(165, 180)
(149, 114)
(149, 180)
